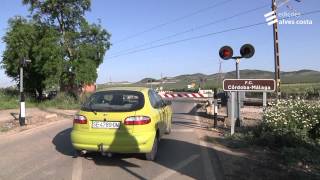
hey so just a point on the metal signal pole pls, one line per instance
(22, 116)
(276, 52)
(238, 120)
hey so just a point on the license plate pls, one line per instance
(105, 124)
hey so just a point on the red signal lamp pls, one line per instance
(226, 52)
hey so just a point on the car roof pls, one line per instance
(140, 89)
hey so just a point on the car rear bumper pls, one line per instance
(117, 142)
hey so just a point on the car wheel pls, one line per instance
(77, 153)
(151, 156)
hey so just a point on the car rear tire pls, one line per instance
(78, 153)
(151, 156)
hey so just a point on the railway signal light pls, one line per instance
(226, 52)
(247, 51)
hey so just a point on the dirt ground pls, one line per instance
(9, 119)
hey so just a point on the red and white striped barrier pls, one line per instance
(181, 95)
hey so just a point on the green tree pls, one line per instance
(40, 44)
(84, 45)
(64, 48)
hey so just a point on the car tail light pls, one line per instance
(137, 120)
(79, 119)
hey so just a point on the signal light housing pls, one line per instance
(247, 51)
(226, 52)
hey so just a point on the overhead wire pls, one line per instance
(206, 35)
(188, 39)
(194, 28)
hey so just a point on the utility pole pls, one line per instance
(220, 77)
(276, 52)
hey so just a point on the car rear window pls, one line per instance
(114, 101)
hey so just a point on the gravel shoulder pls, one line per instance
(9, 119)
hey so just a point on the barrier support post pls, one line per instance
(215, 108)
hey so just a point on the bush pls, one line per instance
(294, 117)
(61, 101)
(10, 99)
(291, 128)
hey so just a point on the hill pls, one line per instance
(301, 76)
(293, 81)
(214, 80)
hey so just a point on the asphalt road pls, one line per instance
(46, 153)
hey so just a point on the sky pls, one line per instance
(126, 18)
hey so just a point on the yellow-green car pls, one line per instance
(122, 120)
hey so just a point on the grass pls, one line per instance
(300, 87)
(288, 149)
(11, 103)
(10, 100)
(4, 129)
(62, 101)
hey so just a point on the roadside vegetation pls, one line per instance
(9, 99)
(64, 50)
(61, 101)
(291, 131)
